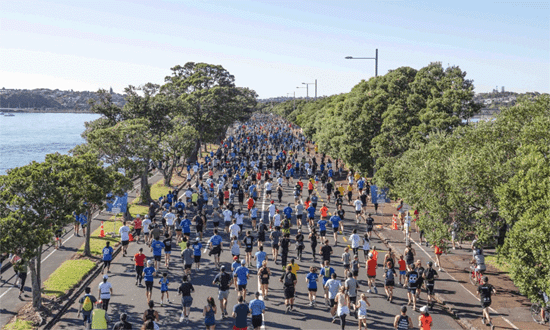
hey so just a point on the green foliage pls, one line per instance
(66, 276)
(20, 325)
(98, 243)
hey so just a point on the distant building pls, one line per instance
(502, 89)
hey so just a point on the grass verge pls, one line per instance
(98, 243)
(69, 274)
(501, 266)
(158, 189)
(19, 325)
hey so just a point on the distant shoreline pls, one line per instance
(51, 110)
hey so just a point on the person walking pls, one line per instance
(257, 310)
(209, 311)
(402, 321)
(289, 281)
(224, 282)
(240, 313)
(123, 324)
(87, 303)
(185, 291)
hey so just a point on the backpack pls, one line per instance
(289, 281)
(87, 305)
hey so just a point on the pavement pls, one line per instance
(130, 299)
(10, 304)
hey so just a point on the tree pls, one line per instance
(206, 96)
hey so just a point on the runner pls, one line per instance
(430, 275)
(105, 290)
(275, 236)
(289, 281)
(332, 287)
(240, 276)
(215, 243)
(197, 253)
(156, 247)
(325, 252)
(370, 225)
(342, 300)
(224, 282)
(336, 224)
(362, 311)
(311, 279)
(139, 259)
(351, 285)
(148, 273)
(188, 258)
(402, 321)
(425, 319)
(299, 244)
(146, 233)
(87, 303)
(264, 273)
(485, 290)
(257, 309)
(164, 282)
(151, 314)
(185, 291)
(167, 249)
(107, 253)
(389, 280)
(411, 278)
(371, 265)
(209, 311)
(138, 224)
(240, 313)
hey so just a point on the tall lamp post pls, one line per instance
(306, 90)
(307, 85)
(367, 58)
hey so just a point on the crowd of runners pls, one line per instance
(237, 193)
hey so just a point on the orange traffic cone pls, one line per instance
(101, 232)
(131, 237)
(394, 222)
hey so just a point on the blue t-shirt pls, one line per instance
(311, 280)
(288, 212)
(197, 249)
(148, 273)
(164, 284)
(241, 315)
(254, 212)
(235, 265)
(335, 221)
(216, 240)
(322, 225)
(326, 275)
(107, 253)
(260, 257)
(241, 273)
(256, 306)
(360, 184)
(180, 205)
(157, 247)
(186, 225)
(311, 212)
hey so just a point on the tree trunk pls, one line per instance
(87, 251)
(169, 170)
(34, 265)
(145, 187)
(194, 155)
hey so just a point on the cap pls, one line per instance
(235, 258)
(403, 309)
(424, 309)
(243, 262)
(105, 276)
(370, 255)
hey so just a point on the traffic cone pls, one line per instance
(131, 237)
(101, 232)
(394, 222)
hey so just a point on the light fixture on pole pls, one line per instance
(303, 87)
(367, 58)
(307, 85)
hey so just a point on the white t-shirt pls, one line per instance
(272, 209)
(280, 181)
(227, 215)
(268, 186)
(124, 231)
(333, 286)
(240, 218)
(355, 240)
(104, 289)
(277, 220)
(235, 230)
(358, 205)
(169, 218)
(145, 225)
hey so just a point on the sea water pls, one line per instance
(27, 137)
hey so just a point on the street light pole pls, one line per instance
(367, 58)
(307, 85)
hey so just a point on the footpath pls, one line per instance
(10, 304)
(509, 309)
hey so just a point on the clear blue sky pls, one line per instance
(271, 47)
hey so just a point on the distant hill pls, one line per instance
(48, 100)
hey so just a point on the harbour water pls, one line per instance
(27, 137)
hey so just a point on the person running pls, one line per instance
(275, 236)
(289, 281)
(138, 224)
(336, 222)
(371, 265)
(402, 270)
(358, 209)
(409, 253)
(346, 261)
(224, 282)
(485, 291)
(285, 247)
(343, 302)
(299, 244)
(197, 253)
(313, 238)
(411, 278)
(425, 319)
(332, 287)
(139, 259)
(215, 244)
(355, 265)
(478, 260)
(361, 308)
(352, 285)
(156, 247)
(325, 252)
(185, 290)
(389, 280)
(148, 273)
(188, 259)
(105, 290)
(311, 278)
(430, 275)
(164, 282)
(235, 247)
(261, 228)
(240, 276)
(146, 223)
(123, 324)
(248, 246)
(402, 321)
(264, 273)
(257, 309)
(87, 303)
(322, 224)
(355, 241)
(299, 213)
(107, 257)
(209, 312)
(167, 249)
(240, 313)
(438, 252)
(151, 314)
(370, 225)
(420, 270)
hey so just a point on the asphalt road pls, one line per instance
(130, 299)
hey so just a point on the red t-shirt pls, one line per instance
(402, 264)
(250, 203)
(139, 259)
(371, 267)
(438, 250)
(324, 211)
(137, 223)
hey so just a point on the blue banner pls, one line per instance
(379, 196)
(120, 202)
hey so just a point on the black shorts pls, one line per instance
(299, 216)
(353, 299)
(106, 263)
(289, 292)
(216, 224)
(335, 229)
(485, 304)
(157, 258)
(369, 229)
(346, 266)
(197, 259)
(323, 233)
(248, 249)
(227, 223)
(125, 243)
(261, 237)
(332, 302)
(242, 287)
(275, 246)
(357, 212)
(390, 283)
(257, 321)
(216, 250)
(149, 285)
(199, 229)
(312, 290)
(137, 232)
(411, 289)
(430, 288)
(187, 266)
(355, 273)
